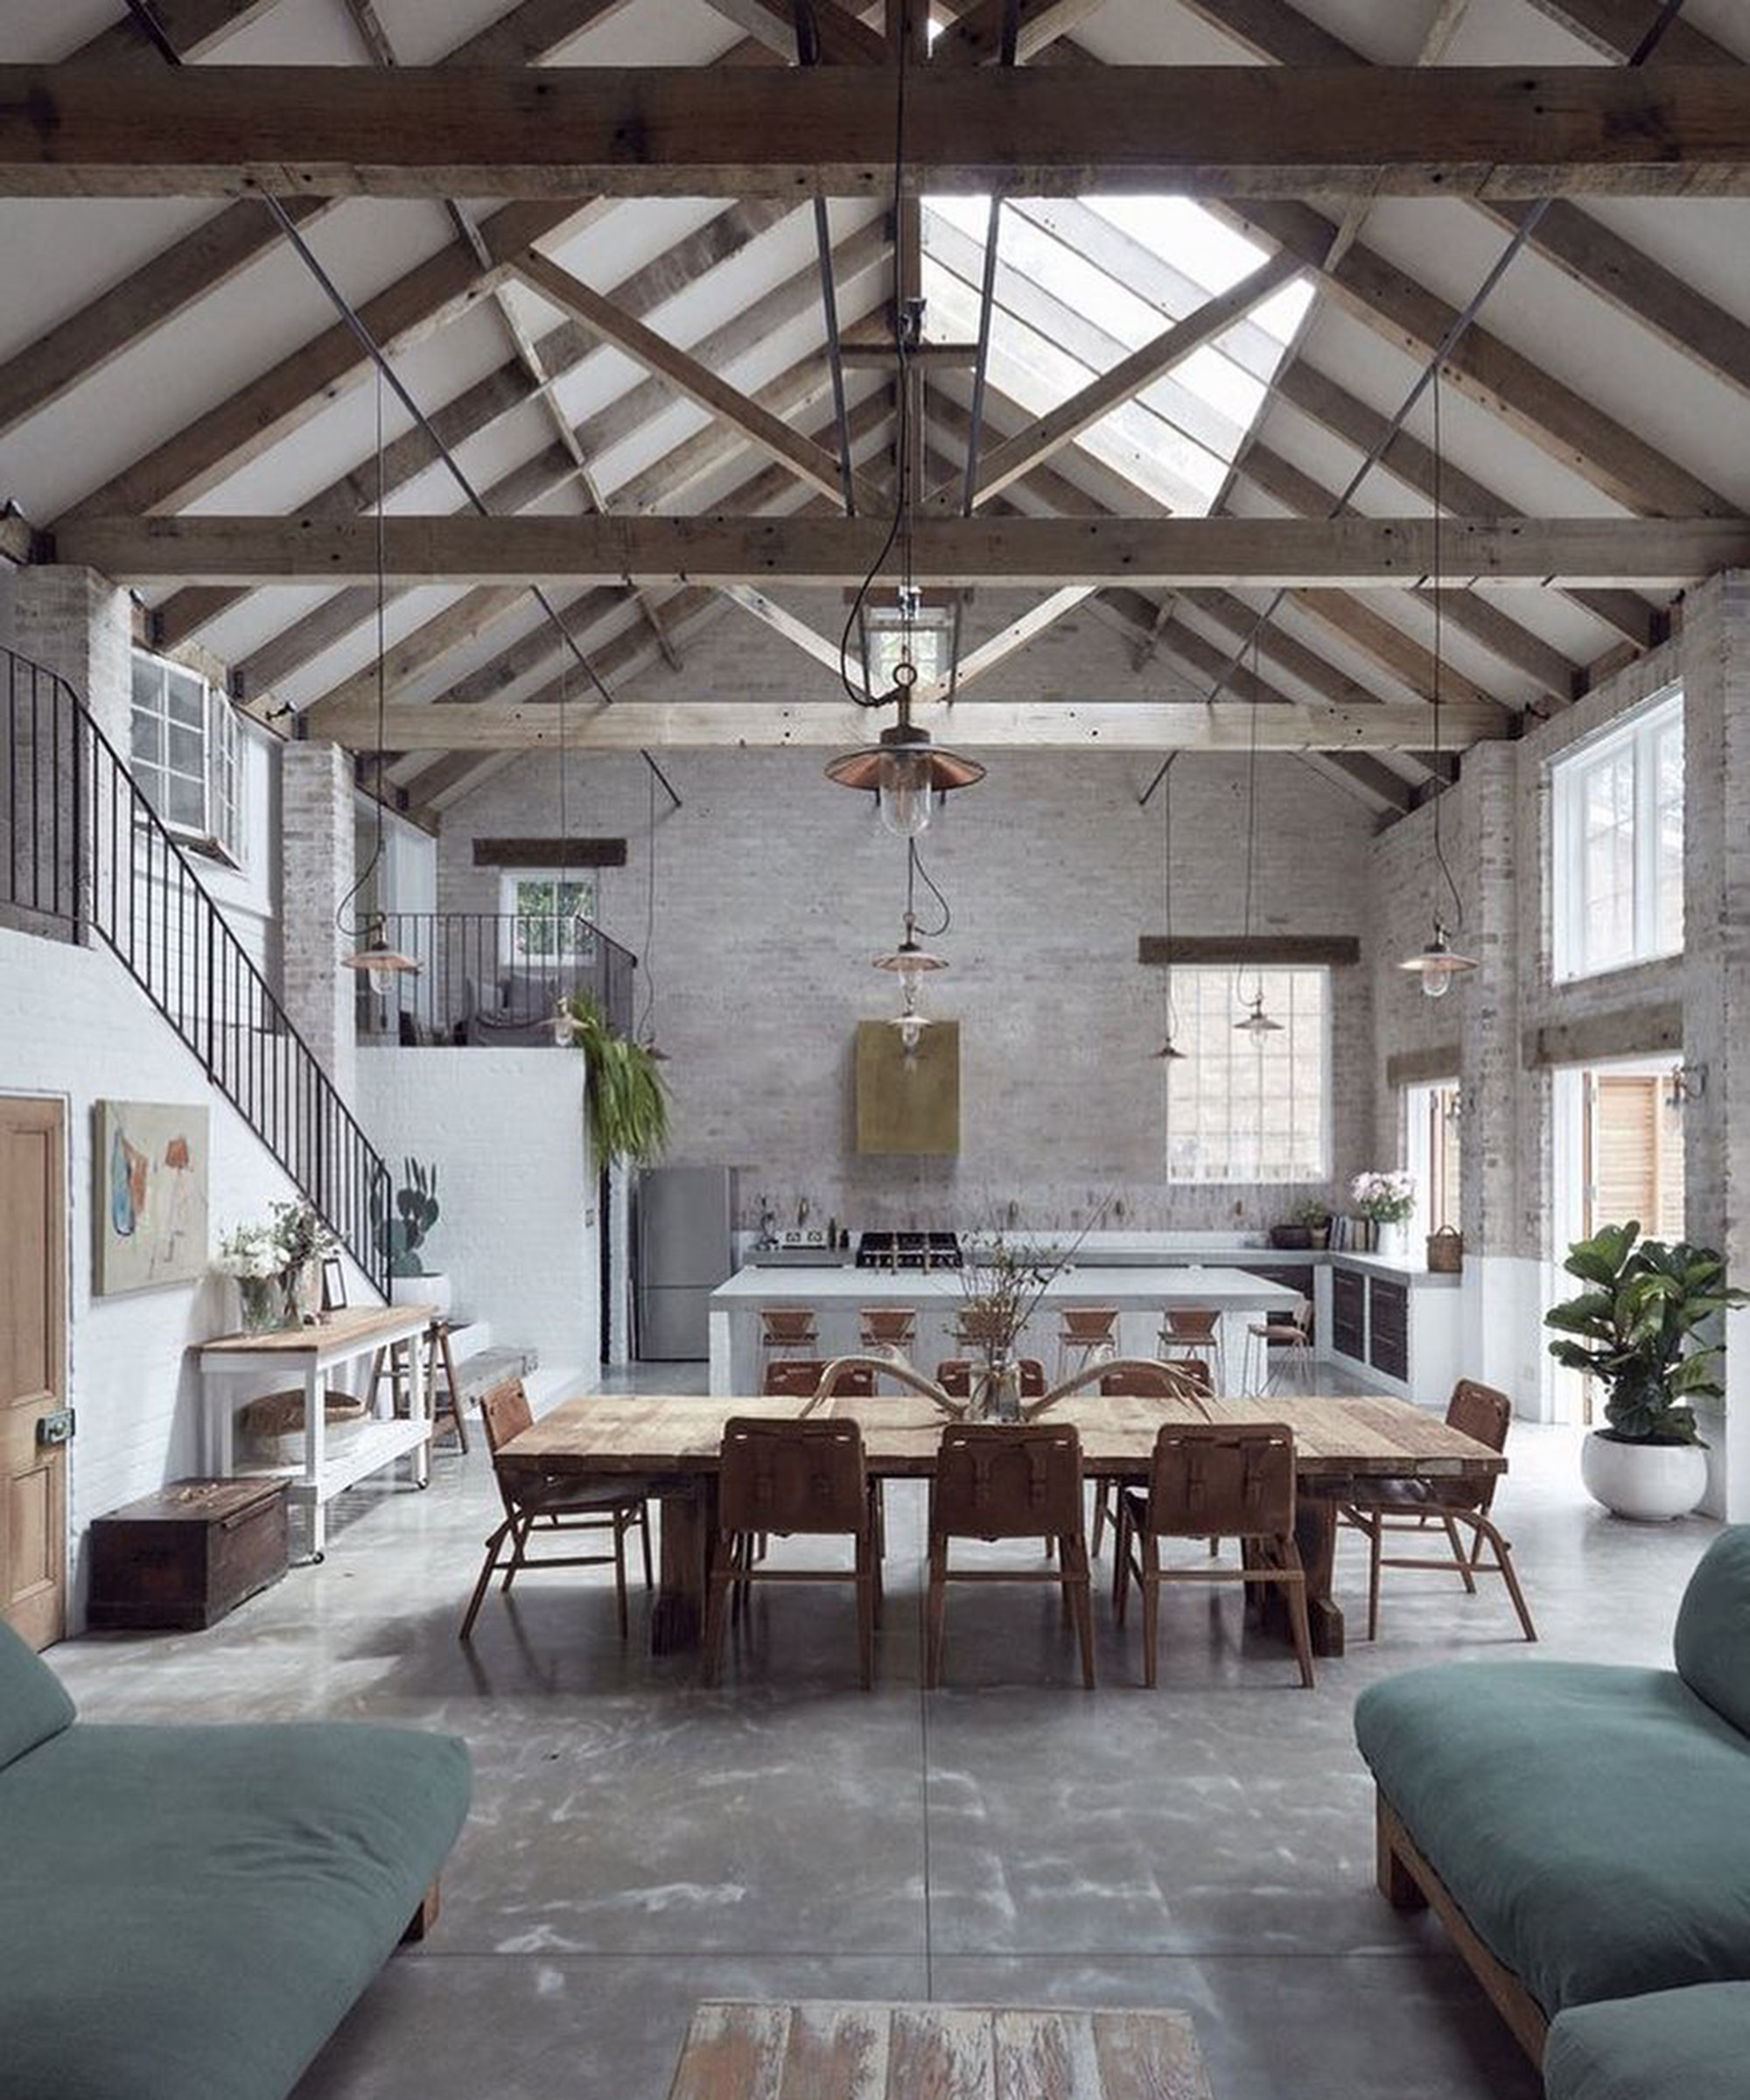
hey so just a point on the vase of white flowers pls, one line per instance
(253, 1257)
(303, 1240)
(1388, 1199)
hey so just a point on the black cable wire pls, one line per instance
(358, 928)
(902, 326)
(1439, 633)
(915, 866)
(1252, 800)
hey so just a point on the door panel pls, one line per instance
(32, 1368)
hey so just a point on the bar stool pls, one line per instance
(1194, 1331)
(889, 1331)
(443, 1394)
(788, 1331)
(1258, 1374)
(1086, 1335)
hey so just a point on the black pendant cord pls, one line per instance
(904, 325)
(1167, 884)
(645, 1031)
(916, 872)
(1440, 637)
(1251, 808)
(361, 927)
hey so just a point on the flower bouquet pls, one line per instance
(253, 1256)
(1389, 1199)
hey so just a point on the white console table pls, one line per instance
(308, 1355)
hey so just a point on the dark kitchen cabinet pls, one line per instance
(1348, 1313)
(1388, 1326)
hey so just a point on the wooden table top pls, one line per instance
(357, 1326)
(903, 2052)
(661, 1433)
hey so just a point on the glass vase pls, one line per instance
(260, 1303)
(996, 1391)
(301, 1292)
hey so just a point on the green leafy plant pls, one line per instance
(628, 1103)
(1634, 1329)
(415, 1201)
(1312, 1213)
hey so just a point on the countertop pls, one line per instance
(1128, 1286)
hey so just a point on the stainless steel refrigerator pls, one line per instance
(684, 1243)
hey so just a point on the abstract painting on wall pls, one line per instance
(150, 1162)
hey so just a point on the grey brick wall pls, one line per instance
(316, 871)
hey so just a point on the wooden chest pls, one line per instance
(185, 1556)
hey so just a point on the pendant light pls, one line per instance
(1257, 1024)
(380, 963)
(645, 1031)
(908, 773)
(911, 961)
(564, 1022)
(1439, 963)
(1169, 1052)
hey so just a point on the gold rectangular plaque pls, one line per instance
(908, 1104)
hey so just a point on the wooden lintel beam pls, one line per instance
(827, 725)
(1495, 132)
(1047, 553)
(550, 852)
(1264, 951)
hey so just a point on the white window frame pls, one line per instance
(1230, 1168)
(570, 953)
(218, 830)
(1640, 737)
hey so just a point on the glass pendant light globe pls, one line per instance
(1437, 965)
(905, 793)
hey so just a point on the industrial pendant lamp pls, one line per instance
(1169, 1052)
(907, 771)
(1257, 1024)
(564, 1022)
(379, 964)
(911, 961)
(1438, 964)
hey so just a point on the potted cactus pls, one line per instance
(417, 1211)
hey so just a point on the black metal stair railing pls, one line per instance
(493, 978)
(83, 855)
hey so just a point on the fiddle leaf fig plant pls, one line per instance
(1635, 1328)
(628, 1103)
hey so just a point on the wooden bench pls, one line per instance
(737, 2051)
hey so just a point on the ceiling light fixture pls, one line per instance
(1257, 1024)
(379, 964)
(645, 1031)
(1438, 964)
(1169, 1052)
(911, 961)
(908, 772)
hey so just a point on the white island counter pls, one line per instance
(834, 1296)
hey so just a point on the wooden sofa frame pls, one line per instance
(1408, 1882)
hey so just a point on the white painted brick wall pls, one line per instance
(517, 1230)
(77, 1028)
(317, 862)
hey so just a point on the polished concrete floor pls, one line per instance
(638, 1844)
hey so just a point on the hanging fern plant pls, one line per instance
(628, 1103)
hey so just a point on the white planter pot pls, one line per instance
(1649, 1483)
(431, 1289)
(1391, 1237)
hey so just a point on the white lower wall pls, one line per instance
(77, 1028)
(517, 1232)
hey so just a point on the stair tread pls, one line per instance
(485, 1367)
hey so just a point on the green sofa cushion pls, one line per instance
(1713, 1628)
(33, 1704)
(1670, 2044)
(190, 1911)
(1593, 1823)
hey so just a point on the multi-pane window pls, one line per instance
(1243, 1107)
(1618, 877)
(186, 754)
(549, 920)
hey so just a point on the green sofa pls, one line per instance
(1584, 1831)
(193, 1911)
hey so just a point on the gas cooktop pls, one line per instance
(908, 1251)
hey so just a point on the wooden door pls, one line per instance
(32, 1368)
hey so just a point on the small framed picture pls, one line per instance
(334, 1285)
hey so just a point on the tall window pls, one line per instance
(186, 755)
(1245, 1108)
(1618, 878)
(1433, 1116)
(548, 920)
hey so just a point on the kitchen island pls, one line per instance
(836, 1294)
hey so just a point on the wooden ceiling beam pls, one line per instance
(215, 252)
(1295, 552)
(976, 38)
(842, 40)
(976, 724)
(193, 28)
(1496, 132)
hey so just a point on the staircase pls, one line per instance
(83, 857)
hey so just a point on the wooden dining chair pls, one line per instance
(1177, 1378)
(792, 1479)
(1209, 1480)
(801, 1376)
(995, 1482)
(1379, 1507)
(564, 1504)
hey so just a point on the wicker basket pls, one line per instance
(1445, 1252)
(274, 1424)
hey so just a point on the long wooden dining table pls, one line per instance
(675, 1441)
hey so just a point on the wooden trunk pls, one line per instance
(183, 1557)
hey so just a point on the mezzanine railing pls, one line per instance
(493, 978)
(84, 855)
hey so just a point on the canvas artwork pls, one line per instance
(151, 1159)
